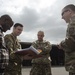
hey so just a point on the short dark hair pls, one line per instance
(7, 17)
(70, 6)
(42, 32)
(18, 24)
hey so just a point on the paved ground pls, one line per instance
(55, 71)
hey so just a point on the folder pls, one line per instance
(29, 53)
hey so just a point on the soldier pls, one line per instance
(41, 65)
(68, 45)
(12, 43)
(5, 24)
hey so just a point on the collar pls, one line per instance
(14, 35)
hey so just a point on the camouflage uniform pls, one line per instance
(42, 65)
(68, 46)
(14, 66)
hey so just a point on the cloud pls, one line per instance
(36, 15)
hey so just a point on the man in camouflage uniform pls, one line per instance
(68, 45)
(14, 66)
(41, 65)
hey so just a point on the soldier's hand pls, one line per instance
(28, 56)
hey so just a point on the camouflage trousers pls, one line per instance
(12, 73)
(12, 69)
(41, 69)
(71, 73)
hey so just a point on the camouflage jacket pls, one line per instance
(14, 60)
(68, 46)
(45, 46)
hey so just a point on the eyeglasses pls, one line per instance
(64, 12)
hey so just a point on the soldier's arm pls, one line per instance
(34, 45)
(47, 48)
(9, 45)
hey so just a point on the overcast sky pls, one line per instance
(37, 15)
